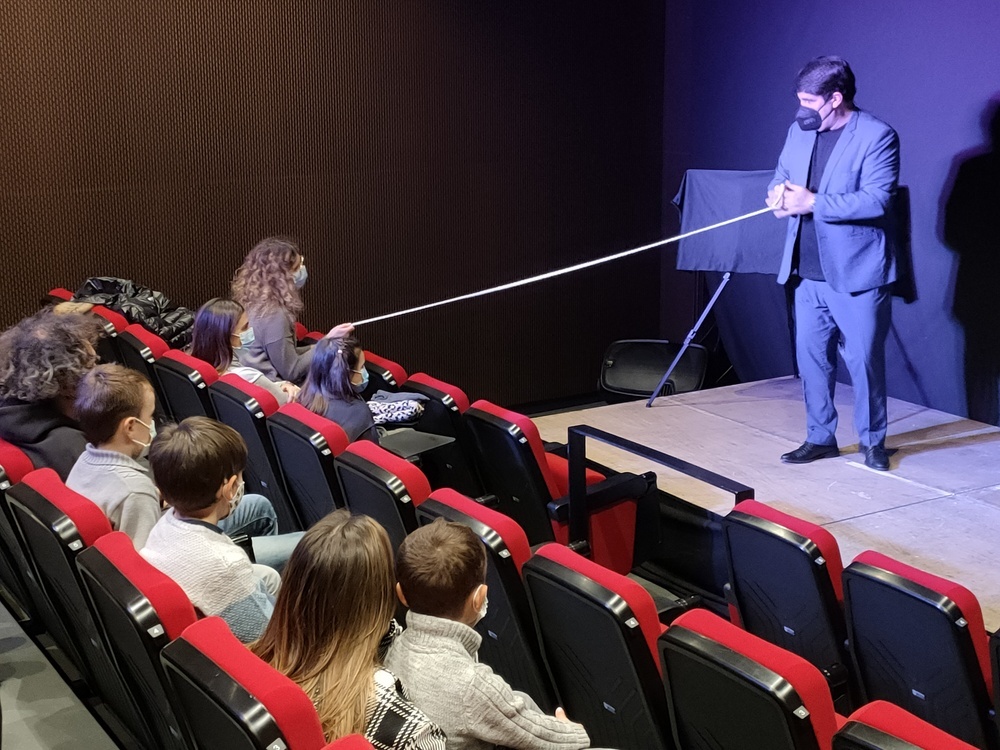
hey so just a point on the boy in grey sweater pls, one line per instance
(441, 574)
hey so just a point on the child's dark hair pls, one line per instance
(438, 566)
(329, 379)
(107, 395)
(193, 459)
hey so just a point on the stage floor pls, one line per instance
(938, 508)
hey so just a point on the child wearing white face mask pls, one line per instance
(198, 466)
(441, 577)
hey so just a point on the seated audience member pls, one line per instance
(337, 376)
(198, 465)
(267, 286)
(441, 574)
(114, 406)
(42, 359)
(331, 625)
(221, 329)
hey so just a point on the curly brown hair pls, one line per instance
(264, 282)
(45, 355)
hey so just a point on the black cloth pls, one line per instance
(807, 263)
(48, 437)
(708, 196)
(141, 305)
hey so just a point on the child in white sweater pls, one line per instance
(441, 574)
(198, 465)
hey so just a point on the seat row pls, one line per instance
(177, 682)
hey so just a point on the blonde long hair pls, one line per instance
(336, 601)
(264, 282)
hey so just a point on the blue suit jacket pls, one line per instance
(852, 217)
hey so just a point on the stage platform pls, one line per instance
(938, 508)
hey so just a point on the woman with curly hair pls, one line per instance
(267, 286)
(42, 360)
(331, 627)
(221, 331)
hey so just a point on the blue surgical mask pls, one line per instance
(300, 277)
(359, 387)
(246, 338)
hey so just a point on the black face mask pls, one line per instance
(808, 119)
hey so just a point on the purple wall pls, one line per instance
(926, 67)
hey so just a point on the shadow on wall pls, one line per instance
(971, 228)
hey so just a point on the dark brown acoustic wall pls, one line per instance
(418, 150)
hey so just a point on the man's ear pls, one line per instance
(399, 594)
(836, 99)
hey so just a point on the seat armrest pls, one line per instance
(612, 490)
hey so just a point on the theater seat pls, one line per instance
(305, 445)
(383, 374)
(231, 699)
(452, 465)
(918, 640)
(598, 631)
(510, 643)
(532, 486)
(785, 579)
(56, 525)
(138, 610)
(15, 573)
(112, 322)
(245, 407)
(184, 382)
(729, 690)
(139, 349)
(380, 484)
(883, 726)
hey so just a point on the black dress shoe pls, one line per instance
(808, 452)
(876, 458)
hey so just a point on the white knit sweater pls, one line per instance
(214, 572)
(435, 660)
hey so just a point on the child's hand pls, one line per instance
(561, 715)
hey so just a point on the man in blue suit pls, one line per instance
(835, 180)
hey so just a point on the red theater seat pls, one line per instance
(56, 525)
(598, 632)
(727, 688)
(453, 465)
(380, 484)
(532, 486)
(231, 699)
(184, 382)
(138, 610)
(245, 407)
(305, 445)
(918, 640)
(886, 726)
(785, 578)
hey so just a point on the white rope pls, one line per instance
(562, 271)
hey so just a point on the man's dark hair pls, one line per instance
(193, 459)
(824, 75)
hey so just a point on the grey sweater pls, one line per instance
(121, 487)
(274, 351)
(435, 660)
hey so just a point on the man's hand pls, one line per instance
(338, 332)
(776, 200)
(797, 200)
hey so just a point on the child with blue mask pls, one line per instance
(337, 377)
(221, 335)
